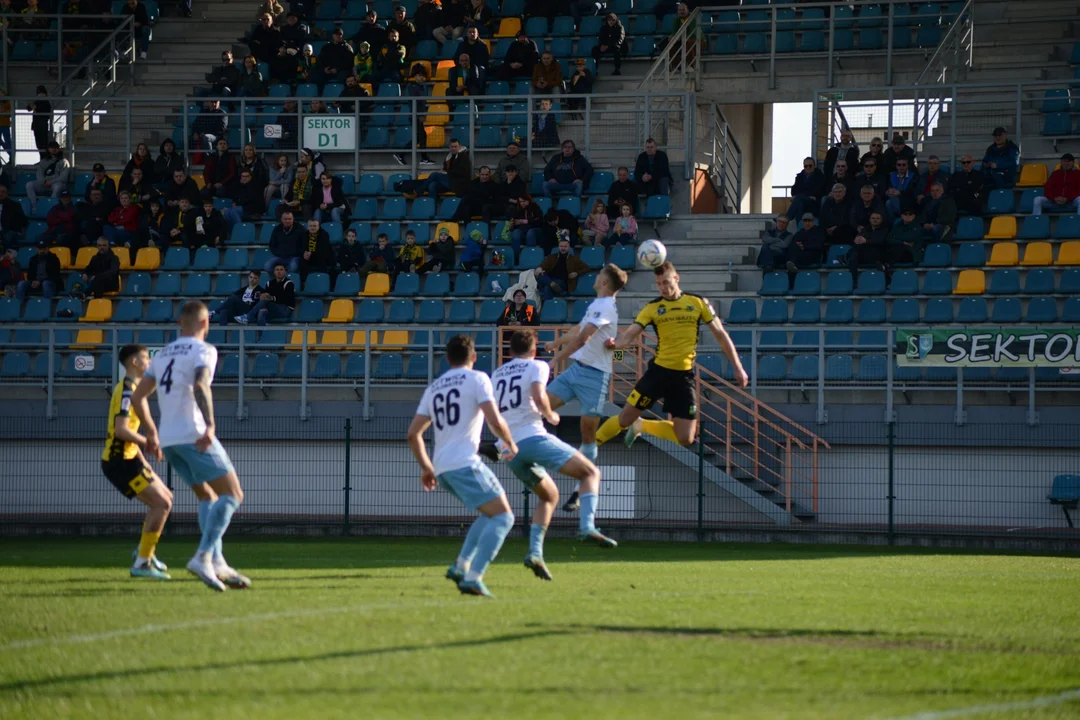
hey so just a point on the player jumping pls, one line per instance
(458, 402)
(670, 376)
(184, 370)
(126, 468)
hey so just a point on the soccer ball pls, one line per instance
(651, 253)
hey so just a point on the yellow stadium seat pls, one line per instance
(436, 136)
(367, 87)
(200, 182)
(359, 339)
(508, 28)
(147, 258)
(1032, 175)
(453, 228)
(394, 340)
(98, 310)
(1004, 254)
(334, 340)
(116, 178)
(1038, 253)
(125, 257)
(64, 255)
(1069, 253)
(439, 89)
(1002, 228)
(438, 114)
(442, 70)
(971, 282)
(83, 258)
(88, 340)
(487, 44)
(377, 284)
(296, 340)
(341, 311)
(425, 63)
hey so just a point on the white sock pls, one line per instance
(462, 564)
(471, 576)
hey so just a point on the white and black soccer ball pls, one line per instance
(651, 254)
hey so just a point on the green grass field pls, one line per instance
(369, 628)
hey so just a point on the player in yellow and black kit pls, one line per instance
(124, 465)
(676, 317)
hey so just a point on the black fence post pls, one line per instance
(892, 482)
(526, 522)
(348, 474)
(701, 483)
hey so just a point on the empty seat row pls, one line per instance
(1038, 281)
(758, 41)
(902, 311)
(333, 366)
(1007, 228)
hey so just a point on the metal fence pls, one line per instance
(62, 43)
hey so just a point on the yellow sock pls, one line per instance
(660, 428)
(147, 544)
(609, 429)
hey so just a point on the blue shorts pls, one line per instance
(587, 384)
(196, 468)
(547, 451)
(474, 485)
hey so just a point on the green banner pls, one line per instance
(989, 347)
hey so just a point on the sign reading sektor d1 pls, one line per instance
(989, 347)
(330, 133)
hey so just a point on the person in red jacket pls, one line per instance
(62, 224)
(1062, 188)
(219, 172)
(123, 221)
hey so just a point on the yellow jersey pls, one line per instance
(676, 323)
(120, 407)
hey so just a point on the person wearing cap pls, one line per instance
(513, 157)
(472, 257)
(901, 189)
(836, 216)
(42, 274)
(466, 78)
(807, 190)
(294, 34)
(518, 312)
(452, 21)
(906, 239)
(42, 123)
(775, 242)
(898, 149)
(440, 254)
(405, 29)
(845, 150)
(938, 216)
(363, 62)
(102, 182)
(335, 60)
(580, 84)
(520, 59)
(807, 247)
(1062, 189)
(62, 225)
(265, 40)
(482, 192)
(1000, 162)
(52, 175)
(474, 47)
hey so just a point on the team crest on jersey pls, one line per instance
(661, 310)
(689, 308)
(693, 411)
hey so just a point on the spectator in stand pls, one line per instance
(552, 233)
(123, 222)
(281, 177)
(381, 259)
(579, 84)
(547, 76)
(249, 160)
(10, 273)
(597, 224)
(807, 247)
(775, 242)
(289, 120)
(410, 256)
(265, 39)
(472, 257)
(482, 192)
(899, 149)
(1062, 190)
(219, 172)
(466, 79)
(938, 215)
(210, 229)
(142, 25)
(877, 147)
(151, 228)
(224, 79)
(480, 15)
(350, 254)
(168, 161)
(567, 172)
(1000, 162)
(92, 217)
(406, 30)
(52, 175)
(141, 159)
(62, 225)
(901, 190)
(520, 59)
(474, 47)
(276, 303)
(845, 150)
(871, 246)
(329, 201)
(559, 273)
(285, 243)
(42, 123)
(294, 34)
(240, 302)
(318, 254)
(622, 192)
(506, 197)
(298, 197)
(178, 225)
(611, 41)
(518, 312)
(513, 158)
(272, 8)
(295, 67)
(371, 32)
(353, 89)
(545, 127)
(624, 229)
(526, 225)
(653, 171)
(181, 187)
(389, 63)
(452, 21)
(42, 274)
(252, 83)
(906, 239)
(844, 176)
(427, 19)
(102, 274)
(247, 201)
(807, 190)
(867, 205)
(335, 60)
(456, 174)
(923, 182)
(209, 125)
(100, 181)
(13, 220)
(836, 217)
(440, 254)
(870, 176)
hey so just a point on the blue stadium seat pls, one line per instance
(807, 311)
(236, 258)
(1071, 311)
(872, 368)
(774, 283)
(310, 311)
(838, 368)
(838, 283)
(937, 255)
(838, 310)
(327, 366)
(904, 282)
(390, 366)
(437, 284)
(369, 311)
(593, 256)
(584, 287)
(370, 184)
(317, 284)
(871, 39)
(725, 44)
(804, 368)
(1004, 282)
(871, 282)
(772, 367)
(1000, 202)
(1027, 200)
(744, 310)
(447, 208)
(1006, 310)
(812, 41)
(1039, 281)
(206, 258)
(9, 310)
(972, 310)
(773, 338)
(347, 285)
(904, 311)
(264, 366)
(554, 312)
(623, 257)
(407, 284)
(401, 311)
(1068, 227)
(499, 279)
(600, 183)
(462, 312)
(530, 258)
(937, 282)
(657, 207)
(873, 338)
(971, 255)
(1035, 228)
(928, 36)
(37, 310)
(138, 283)
(481, 226)
(941, 374)
(40, 368)
(176, 258)
(969, 228)
(773, 311)
(159, 311)
(293, 367)
(197, 285)
(1041, 310)
(1057, 124)
(807, 283)
(431, 311)
(1070, 282)
(938, 310)
(467, 285)
(490, 311)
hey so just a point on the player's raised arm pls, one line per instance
(204, 400)
(498, 426)
(140, 405)
(417, 428)
(728, 346)
(626, 338)
(572, 342)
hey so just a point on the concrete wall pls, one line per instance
(753, 127)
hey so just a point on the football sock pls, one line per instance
(660, 428)
(609, 429)
(587, 514)
(536, 539)
(495, 532)
(468, 548)
(217, 522)
(204, 513)
(147, 544)
(590, 451)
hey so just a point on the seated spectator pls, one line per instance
(547, 76)
(482, 192)
(252, 83)
(247, 202)
(466, 78)
(559, 273)
(123, 221)
(427, 18)
(275, 303)
(440, 254)
(898, 150)
(877, 146)
(597, 224)
(10, 273)
(513, 158)
(305, 67)
(224, 79)
(808, 245)
(505, 200)
(622, 192)
(102, 274)
(552, 233)
(845, 150)
(452, 21)
(1062, 190)
(181, 187)
(274, 9)
(518, 312)
(210, 229)
(381, 259)
(1001, 161)
(285, 243)
(284, 68)
(545, 127)
(294, 34)
(526, 225)
(298, 197)
(42, 274)
(151, 228)
(91, 217)
(836, 217)
(350, 254)
(520, 59)
(281, 177)
(861, 210)
(456, 174)
(346, 103)
(474, 47)
(209, 125)
(472, 257)
(567, 172)
(249, 160)
(480, 16)
(313, 161)
(653, 171)
(219, 172)
(329, 202)
(371, 32)
(807, 190)
(141, 159)
(406, 30)
(364, 62)
(843, 176)
(579, 84)
(872, 178)
(335, 60)
(13, 220)
(624, 228)
(932, 175)
(775, 242)
(168, 161)
(938, 216)
(100, 181)
(871, 246)
(318, 254)
(901, 190)
(62, 225)
(906, 239)
(265, 39)
(611, 41)
(52, 175)
(410, 256)
(240, 302)
(390, 62)
(141, 191)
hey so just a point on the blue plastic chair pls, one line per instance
(904, 282)
(938, 310)
(1006, 310)
(872, 311)
(871, 282)
(806, 311)
(1039, 281)
(838, 310)
(970, 228)
(774, 283)
(807, 283)
(1035, 228)
(971, 255)
(938, 282)
(744, 310)
(972, 310)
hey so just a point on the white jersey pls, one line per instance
(513, 383)
(604, 314)
(452, 402)
(173, 369)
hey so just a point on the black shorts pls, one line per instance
(130, 477)
(676, 388)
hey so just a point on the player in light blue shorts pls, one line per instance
(474, 485)
(195, 467)
(586, 383)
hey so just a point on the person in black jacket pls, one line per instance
(335, 60)
(836, 217)
(318, 255)
(520, 58)
(622, 192)
(13, 220)
(872, 176)
(178, 225)
(294, 34)
(141, 159)
(506, 197)
(518, 312)
(240, 302)
(381, 260)
(440, 254)
(652, 170)
(405, 29)
(285, 243)
(140, 190)
(846, 150)
(870, 245)
(265, 40)
(91, 217)
(371, 31)
(350, 254)
(474, 47)
(611, 41)
(209, 227)
(866, 205)
(247, 202)
(42, 274)
(482, 192)
(451, 21)
(209, 125)
(807, 247)
(276, 303)
(41, 125)
(426, 19)
(966, 186)
(102, 275)
(168, 161)
(141, 20)
(224, 79)
(181, 187)
(807, 191)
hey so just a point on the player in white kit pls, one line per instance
(184, 370)
(457, 403)
(521, 393)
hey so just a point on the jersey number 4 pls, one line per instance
(446, 408)
(166, 377)
(514, 388)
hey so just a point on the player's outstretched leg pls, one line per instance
(547, 498)
(215, 521)
(158, 500)
(582, 470)
(500, 522)
(456, 572)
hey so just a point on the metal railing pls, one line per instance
(677, 63)
(107, 67)
(721, 156)
(58, 42)
(955, 53)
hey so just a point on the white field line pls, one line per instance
(1039, 702)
